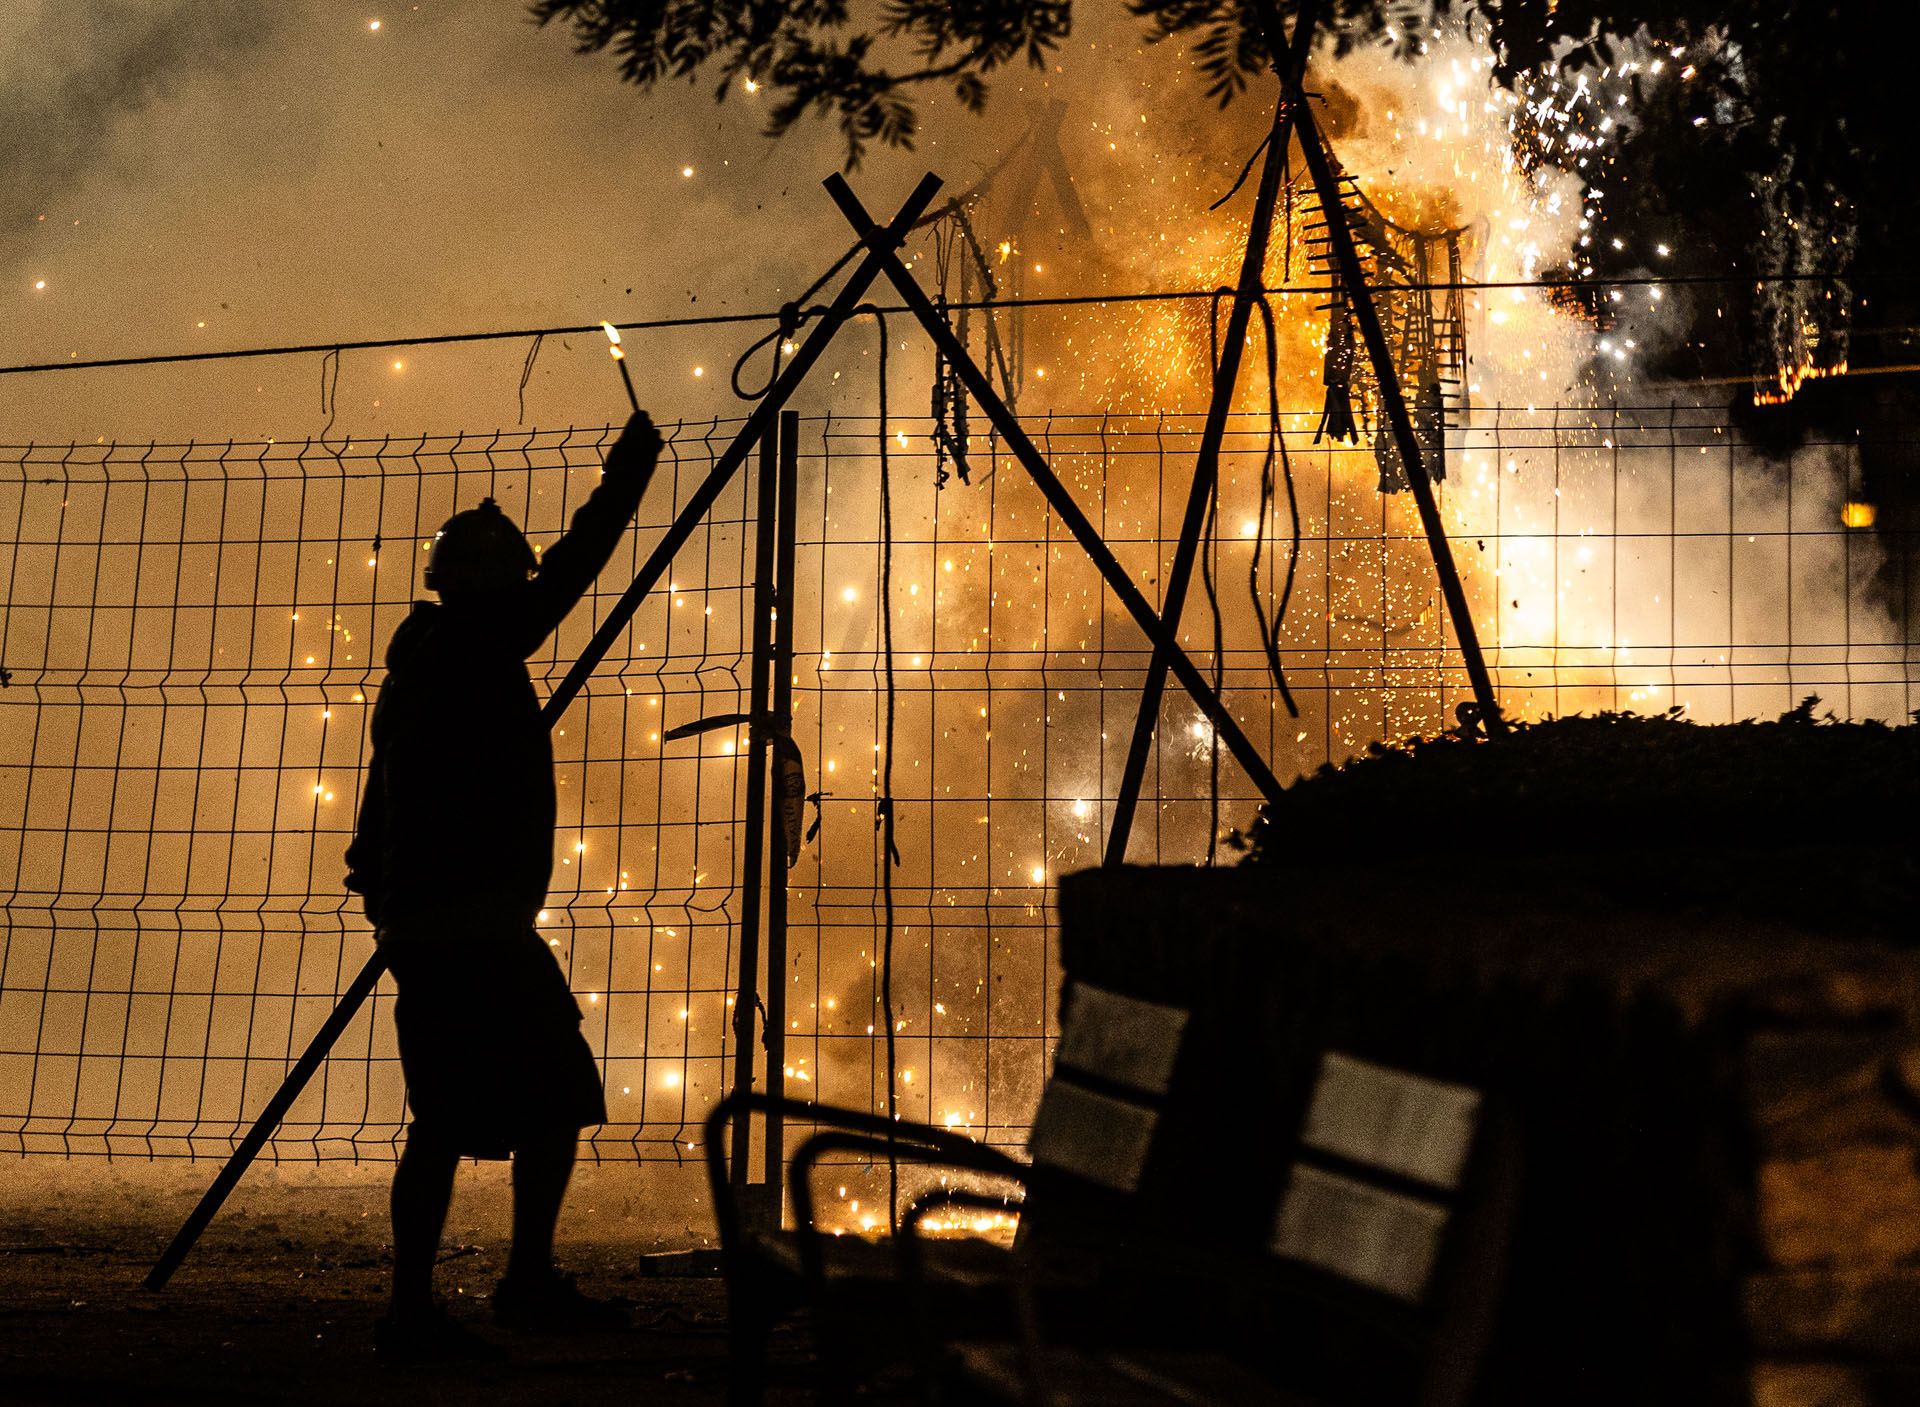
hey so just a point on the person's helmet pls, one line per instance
(479, 552)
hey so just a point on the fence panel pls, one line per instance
(193, 641)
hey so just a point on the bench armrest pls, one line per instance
(924, 1145)
(902, 1133)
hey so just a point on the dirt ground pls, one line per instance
(277, 1302)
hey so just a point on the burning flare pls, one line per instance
(619, 355)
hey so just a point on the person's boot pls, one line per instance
(430, 1336)
(553, 1304)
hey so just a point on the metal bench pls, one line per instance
(1376, 1283)
(1092, 1144)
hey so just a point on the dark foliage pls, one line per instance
(1803, 92)
(823, 56)
(1612, 783)
(1805, 77)
(816, 55)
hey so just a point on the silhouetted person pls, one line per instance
(453, 854)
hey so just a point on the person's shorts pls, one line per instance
(490, 1041)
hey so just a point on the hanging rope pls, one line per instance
(792, 317)
(526, 375)
(329, 387)
(1241, 179)
(960, 245)
(1276, 453)
(1554, 287)
(1276, 448)
(884, 810)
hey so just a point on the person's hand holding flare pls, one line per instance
(639, 443)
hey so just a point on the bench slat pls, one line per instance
(1130, 1042)
(1384, 1240)
(1410, 1125)
(1091, 1135)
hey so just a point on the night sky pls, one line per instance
(202, 174)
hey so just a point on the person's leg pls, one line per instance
(422, 1192)
(534, 1294)
(541, 1169)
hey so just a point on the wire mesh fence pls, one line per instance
(193, 643)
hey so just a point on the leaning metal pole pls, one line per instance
(1061, 500)
(780, 725)
(881, 244)
(1206, 464)
(290, 1089)
(1352, 277)
(753, 860)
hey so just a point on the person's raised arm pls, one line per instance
(568, 567)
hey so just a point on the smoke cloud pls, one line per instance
(73, 75)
